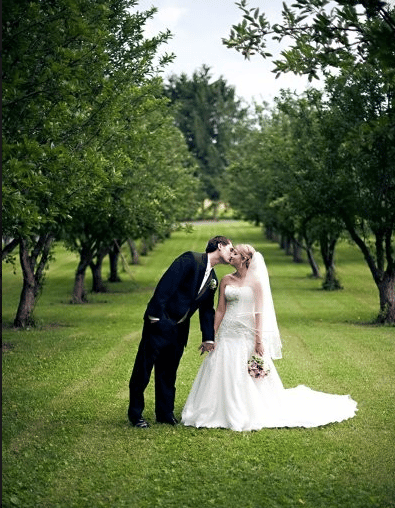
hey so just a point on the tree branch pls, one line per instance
(364, 248)
(7, 249)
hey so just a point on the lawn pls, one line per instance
(66, 439)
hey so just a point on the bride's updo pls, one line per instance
(246, 251)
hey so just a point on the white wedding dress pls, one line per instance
(225, 395)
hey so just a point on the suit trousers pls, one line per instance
(162, 350)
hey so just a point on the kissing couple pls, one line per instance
(224, 394)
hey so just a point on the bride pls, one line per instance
(224, 394)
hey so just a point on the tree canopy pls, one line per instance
(345, 168)
(207, 113)
(78, 78)
(323, 35)
(320, 164)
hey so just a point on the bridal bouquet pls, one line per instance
(258, 367)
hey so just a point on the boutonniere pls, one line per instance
(213, 284)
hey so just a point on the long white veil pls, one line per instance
(257, 276)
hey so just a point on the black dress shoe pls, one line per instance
(171, 420)
(140, 424)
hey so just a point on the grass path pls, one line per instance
(66, 441)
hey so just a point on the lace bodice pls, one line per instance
(239, 314)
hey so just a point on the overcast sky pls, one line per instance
(199, 26)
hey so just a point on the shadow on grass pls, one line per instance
(9, 325)
(7, 346)
(372, 324)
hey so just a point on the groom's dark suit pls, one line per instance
(175, 299)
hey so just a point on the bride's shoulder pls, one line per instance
(229, 280)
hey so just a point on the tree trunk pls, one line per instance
(114, 256)
(148, 244)
(114, 277)
(387, 299)
(215, 210)
(327, 245)
(96, 268)
(134, 254)
(144, 247)
(32, 280)
(268, 233)
(24, 316)
(276, 237)
(288, 246)
(296, 251)
(79, 293)
(313, 264)
(385, 280)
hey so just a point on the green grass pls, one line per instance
(66, 440)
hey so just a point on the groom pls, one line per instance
(187, 285)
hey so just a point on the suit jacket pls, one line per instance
(177, 294)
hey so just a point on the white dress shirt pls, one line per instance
(206, 274)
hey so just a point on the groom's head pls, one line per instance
(221, 246)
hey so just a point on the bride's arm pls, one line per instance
(258, 295)
(258, 334)
(221, 307)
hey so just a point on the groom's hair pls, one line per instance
(212, 245)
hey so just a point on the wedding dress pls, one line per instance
(225, 395)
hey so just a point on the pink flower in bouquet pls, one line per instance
(257, 367)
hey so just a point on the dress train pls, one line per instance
(225, 395)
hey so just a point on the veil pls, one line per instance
(258, 278)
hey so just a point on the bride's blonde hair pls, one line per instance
(246, 251)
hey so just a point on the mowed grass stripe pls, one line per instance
(66, 439)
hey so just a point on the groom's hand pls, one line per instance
(206, 346)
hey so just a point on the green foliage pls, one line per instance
(149, 184)
(323, 34)
(62, 102)
(207, 113)
(322, 163)
(353, 155)
(66, 441)
(78, 124)
(360, 120)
